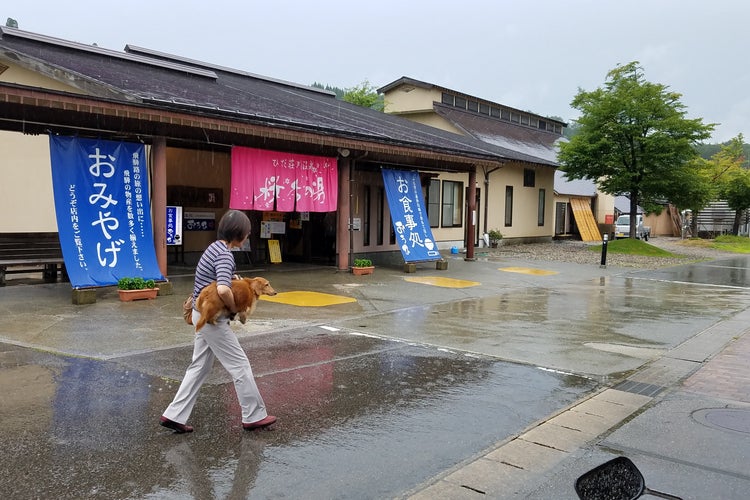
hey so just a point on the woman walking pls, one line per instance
(219, 341)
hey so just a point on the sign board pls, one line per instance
(410, 223)
(274, 251)
(174, 225)
(103, 210)
(200, 221)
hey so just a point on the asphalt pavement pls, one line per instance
(492, 379)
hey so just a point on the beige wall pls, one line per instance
(16, 74)
(26, 196)
(417, 99)
(525, 202)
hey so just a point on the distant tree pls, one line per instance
(572, 129)
(634, 139)
(336, 90)
(365, 95)
(11, 23)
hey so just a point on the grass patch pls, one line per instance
(631, 246)
(729, 243)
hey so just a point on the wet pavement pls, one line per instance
(410, 390)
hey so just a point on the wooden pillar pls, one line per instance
(343, 240)
(471, 215)
(159, 201)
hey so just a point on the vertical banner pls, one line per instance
(286, 182)
(103, 210)
(405, 200)
(174, 225)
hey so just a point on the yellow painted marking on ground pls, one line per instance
(527, 270)
(308, 299)
(444, 282)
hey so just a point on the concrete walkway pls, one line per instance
(675, 398)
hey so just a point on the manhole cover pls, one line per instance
(728, 419)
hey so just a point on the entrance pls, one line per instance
(306, 237)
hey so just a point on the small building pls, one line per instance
(520, 197)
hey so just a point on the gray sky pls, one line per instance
(531, 55)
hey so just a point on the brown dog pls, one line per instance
(246, 292)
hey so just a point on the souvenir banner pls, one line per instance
(103, 210)
(405, 200)
(286, 182)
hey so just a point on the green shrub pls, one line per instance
(362, 263)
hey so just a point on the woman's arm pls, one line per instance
(225, 293)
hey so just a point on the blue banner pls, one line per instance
(409, 217)
(103, 210)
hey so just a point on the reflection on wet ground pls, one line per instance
(359, 417)
(560, 326)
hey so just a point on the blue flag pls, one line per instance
(409, 217)
(103, 210)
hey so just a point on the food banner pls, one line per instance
(408, 215)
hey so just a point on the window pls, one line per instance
(524, 119)
(540, 210)
(460, 102)
(381, 216)
(447, 99)
(484, 109)
(452, 203)
(366, 219)
(515, 117)
(433, 202)
(505, 115)
(529, 177)
(495, 112)
(508, 206)
(542, 125)
(473, 106)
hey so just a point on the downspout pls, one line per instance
(471, 215)
(487, 196)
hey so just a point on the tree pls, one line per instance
(11, 23)
(634, 139)
(734, 185)
(365, 95)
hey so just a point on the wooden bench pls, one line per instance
(29, 253)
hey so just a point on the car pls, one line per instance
(622, 227)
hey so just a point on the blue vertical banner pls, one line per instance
(406, 202)
(103, 210)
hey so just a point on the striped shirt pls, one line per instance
(216, 264)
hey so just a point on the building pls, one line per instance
(192, 114)
(525, 199)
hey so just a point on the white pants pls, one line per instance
(217, 341)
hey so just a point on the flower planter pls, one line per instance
(358, 271)
(145, 293)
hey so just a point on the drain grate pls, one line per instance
(641, 388)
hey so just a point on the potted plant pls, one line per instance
(495, 236)
(362, 266)
(136, 288)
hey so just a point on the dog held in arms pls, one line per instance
(246, 292)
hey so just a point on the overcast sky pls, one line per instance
(531, 55)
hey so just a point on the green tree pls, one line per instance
(365, 95)
(634, 139)
(734, 185)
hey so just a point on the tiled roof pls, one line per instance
(524, 143)
(178, 83)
